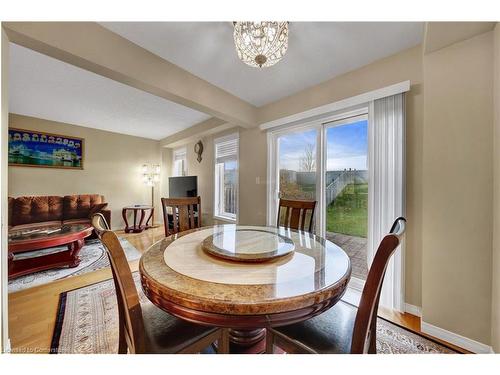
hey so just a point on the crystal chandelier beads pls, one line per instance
(261, 44)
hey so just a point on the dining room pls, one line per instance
(242, 192)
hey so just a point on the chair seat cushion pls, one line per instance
(166, 334)
(330, 332)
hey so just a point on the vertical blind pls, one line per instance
(387, 186)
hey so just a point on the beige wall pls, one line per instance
(253, 168)
(253, 176)
(495, 316)
(457, 188)
(403, 66)
(112, 167)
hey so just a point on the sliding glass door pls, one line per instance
(346, 189)
(352, 164)
(295, 166)
(327, 161)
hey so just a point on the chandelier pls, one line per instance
(261, 44)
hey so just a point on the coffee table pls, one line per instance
(22, 241)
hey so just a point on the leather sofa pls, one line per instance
(35, 211)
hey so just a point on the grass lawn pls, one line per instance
(348, 214)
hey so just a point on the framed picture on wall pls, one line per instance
(29, 148)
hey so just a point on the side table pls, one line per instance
(138, 226)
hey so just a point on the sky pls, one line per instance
(347, 147)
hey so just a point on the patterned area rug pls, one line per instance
(87, 322)
(93, 257)
(394, 339)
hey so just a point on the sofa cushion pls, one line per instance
(79, 206)
(36, 209)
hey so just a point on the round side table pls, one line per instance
(138, 226)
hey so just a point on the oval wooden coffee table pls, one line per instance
(182, 278)
(21, 241)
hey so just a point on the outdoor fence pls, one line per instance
(230, 198)
(336, 181)
(343, 179)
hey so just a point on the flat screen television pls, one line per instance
(183, 186)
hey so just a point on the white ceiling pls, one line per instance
(317, 51)
(43, 87)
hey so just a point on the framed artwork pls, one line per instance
(38, 149)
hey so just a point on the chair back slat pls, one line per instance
(295, 218)
(184, 222)
(181, 214)
(364, 333)
(191, 216)
(296, 214)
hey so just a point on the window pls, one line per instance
(226, 177)
(179, 159)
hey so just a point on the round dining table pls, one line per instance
(245, 278)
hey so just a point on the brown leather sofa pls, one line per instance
(35, 211)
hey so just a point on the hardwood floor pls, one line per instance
(32, 312)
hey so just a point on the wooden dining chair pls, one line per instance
(296, 214)
(343, 328)
(185, 214)
(143, 327)
(100, 224)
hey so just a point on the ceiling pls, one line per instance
(43, 87)
(317, 51)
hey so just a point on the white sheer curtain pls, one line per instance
(387, 188)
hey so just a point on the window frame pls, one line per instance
(218, 181)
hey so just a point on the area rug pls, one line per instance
(93, 257)
(87, 322)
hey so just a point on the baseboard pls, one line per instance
(414, 310)
(456, 339)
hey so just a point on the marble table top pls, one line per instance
(177, 270)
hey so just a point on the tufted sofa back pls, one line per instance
(37, 209)
(29, 209)
(78, 206)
